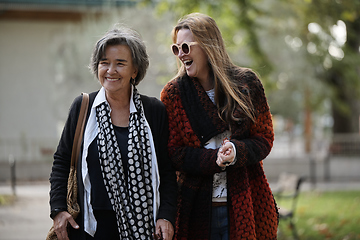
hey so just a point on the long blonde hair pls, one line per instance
(227, 90)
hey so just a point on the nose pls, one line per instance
(181, 53)
(112, 69)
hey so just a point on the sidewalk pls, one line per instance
(28, 218)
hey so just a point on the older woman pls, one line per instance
(220, 131)
(124, 153)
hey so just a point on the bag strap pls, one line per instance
(79, 129)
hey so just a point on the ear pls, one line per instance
(135, 73)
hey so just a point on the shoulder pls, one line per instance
(151, 102)
(153, 107)
(155, 112)
(76, 104)
(245, 76)
(171, 87)
(247, 80)
(78, 99)
(93, 95)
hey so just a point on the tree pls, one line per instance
(330, 32)
(325, 59)
(236, 18)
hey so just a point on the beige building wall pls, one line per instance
(43, 67)
(26, 78)
(27, 119)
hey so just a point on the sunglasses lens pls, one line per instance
(185, 48)
(175, 49)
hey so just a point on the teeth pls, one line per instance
(187, 62)
(112, 79)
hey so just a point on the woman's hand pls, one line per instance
(165, 229)
(226, 154)
(60, 223)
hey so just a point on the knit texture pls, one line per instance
(193, 120)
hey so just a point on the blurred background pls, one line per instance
(306, 52)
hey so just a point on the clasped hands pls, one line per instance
(226, 155)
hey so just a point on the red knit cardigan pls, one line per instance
(193, 120)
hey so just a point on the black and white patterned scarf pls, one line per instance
(132, 200)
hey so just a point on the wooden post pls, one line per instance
(12, 164)
(307, 121)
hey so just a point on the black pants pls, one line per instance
(106, 226)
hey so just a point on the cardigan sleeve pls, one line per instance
(184, 147)
(253, 140)
(258, 144)
(62, 158)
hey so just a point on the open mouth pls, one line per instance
(187, 63)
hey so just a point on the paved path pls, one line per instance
(28, 218)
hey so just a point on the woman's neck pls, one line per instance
(119, 100)
(207, 82)
(120, 109)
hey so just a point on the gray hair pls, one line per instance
(122, 36)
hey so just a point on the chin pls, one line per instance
(190, 74)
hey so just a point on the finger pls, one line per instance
(156, 236)
(219, 161)
(223, 162)
(158, 229)
(73, 223)
(221, 149)
(167, 233)
(228, 145)
(224, 146)
(228, 160)
(223, 159)
(230, 157)
(166, 229)
(60, 227)
(166, 236)
(228, 151)
(226, 141)
(63, 235)
(60, 224)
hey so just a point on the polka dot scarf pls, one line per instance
(132, 200)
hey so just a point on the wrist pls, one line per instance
(55, 212)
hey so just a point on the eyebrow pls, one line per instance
(118, 60)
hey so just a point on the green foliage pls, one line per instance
(336, 60)
(327, 215)
(274, 38)
(235, 18)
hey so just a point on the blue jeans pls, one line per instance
(219, 223)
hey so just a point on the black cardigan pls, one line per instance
(156, 116)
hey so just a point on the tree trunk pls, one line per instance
(342, 121)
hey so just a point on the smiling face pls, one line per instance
(115, 69)
(196, 62)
